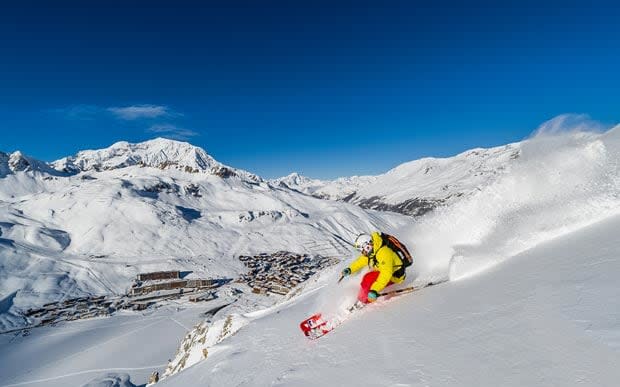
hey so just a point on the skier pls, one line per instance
(386, 267)
(387, 259)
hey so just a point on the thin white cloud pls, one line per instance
(152, 114)
(135, 112)
(78, 112)
(129, 113)
(172, 131)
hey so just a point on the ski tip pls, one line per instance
(314, 326)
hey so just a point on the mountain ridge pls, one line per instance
(161, 153)
(412, 188)
(416, 187)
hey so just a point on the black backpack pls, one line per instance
(399, 248)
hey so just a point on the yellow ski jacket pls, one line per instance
(383, 259)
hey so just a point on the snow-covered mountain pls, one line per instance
(525, 233)
(298, 182)
(15, 162)
(158, 153)
(416, 187)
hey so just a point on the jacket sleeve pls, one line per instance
(385, 266)
(359, 263)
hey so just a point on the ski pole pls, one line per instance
(340, 279)
(409, 289)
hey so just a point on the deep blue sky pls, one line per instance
(326, 89)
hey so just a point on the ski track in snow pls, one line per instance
(101, 370)
(99, 345)
(69, 331)
(179, 324)
(69, 260)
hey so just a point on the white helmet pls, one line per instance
(363, 243)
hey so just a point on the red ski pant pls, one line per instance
(367, 281)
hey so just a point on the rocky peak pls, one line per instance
(19, 163)
(296, 181)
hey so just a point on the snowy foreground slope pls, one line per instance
(548, 317)
(75, 353)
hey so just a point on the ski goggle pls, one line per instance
(366, 248)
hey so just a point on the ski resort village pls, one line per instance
(274, 273)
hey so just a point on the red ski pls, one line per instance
(315, 326)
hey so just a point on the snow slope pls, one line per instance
(77, 352)
(549, 316)
(561, 182)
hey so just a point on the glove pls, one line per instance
(372, 296)
(346, 272)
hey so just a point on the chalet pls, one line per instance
(203, 297)
(259, 290)
(47, 321)
(158, 286)
(159, 275)
(32, 312)
(278, 290)
(200, 283)
(140, 306)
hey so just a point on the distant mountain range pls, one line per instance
(413, 188)
(416, 187)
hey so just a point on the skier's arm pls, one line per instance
(385, 266)
(358, 264)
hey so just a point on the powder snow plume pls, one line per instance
(565, 178)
